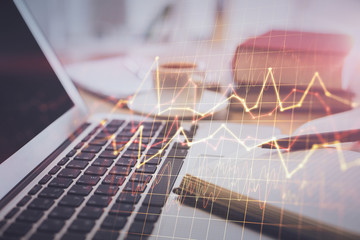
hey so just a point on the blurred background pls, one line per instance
(80, 29)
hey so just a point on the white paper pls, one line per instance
(337, 122)
(112, 77)
(321, 190)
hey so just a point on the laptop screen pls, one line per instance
(31, 95)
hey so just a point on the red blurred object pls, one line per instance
(294, 58)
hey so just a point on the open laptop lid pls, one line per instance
(39, 105)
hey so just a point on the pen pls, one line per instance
(302, 142)
(240, 209)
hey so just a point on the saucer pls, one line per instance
(147, 103)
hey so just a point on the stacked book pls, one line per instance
(289, 69)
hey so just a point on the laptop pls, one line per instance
(66, 175)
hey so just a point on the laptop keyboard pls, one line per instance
(97, 186)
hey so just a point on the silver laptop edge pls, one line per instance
(16, 167)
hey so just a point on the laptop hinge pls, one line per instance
(37, 170)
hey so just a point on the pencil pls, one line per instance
(243, 210)
(303, 142)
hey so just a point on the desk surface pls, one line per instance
(287, 122)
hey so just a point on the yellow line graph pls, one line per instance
(296, 105)
(343, 164)
(269, 77)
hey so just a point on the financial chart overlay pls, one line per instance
(314, 186)
(256, 141)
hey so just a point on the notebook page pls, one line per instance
(337, 122)
(322, 184)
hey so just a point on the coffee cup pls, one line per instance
(179, 84)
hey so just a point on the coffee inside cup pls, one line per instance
(180, 65)
(179, 84)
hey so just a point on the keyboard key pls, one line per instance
(87, 138)
(110, 129)
(147, 217)
(92, 170)
(73, 236)
(34, 190)
(91, 149)
(135, 147)
(69, 173)
(143, 228)
(81, 225)
(103, 162)
(41, 236)
(163, 183)
(18, 229)
(88, 180)
(82, 190)
(77, 164)
(11, 213)
(91, 212)
(116, 146)
(60, 182)
(62, 213)
(108, 235)
(131, 154)
(126, 133)
(140, 177)
(71, 153)
(181, 146)
(29, 216)
(132, 124)
(71, 201)
(152, 160)
(149, 214)
(129, 162)
(177, 152)
(54, 170)
(99, 201)
(108, 190)
(115, 123)
(45, 179)
(128, 197)
(85, 156)
(114, 223)
(63, 161)
(51, 225)
(121, 209)
(144, 140)
(79, 145)
(114, 180)
(148, 133)
(41, 204)
(24, 201)
(153, 151)
(98, 142)
(103, 135)
(95, 129)
(152, 124)
(146, 169)
(109, 154)
(122, 139)
(135, 187)
(51, 193)
(120, 170)
(159, 144)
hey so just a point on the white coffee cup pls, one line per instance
(179, 84)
